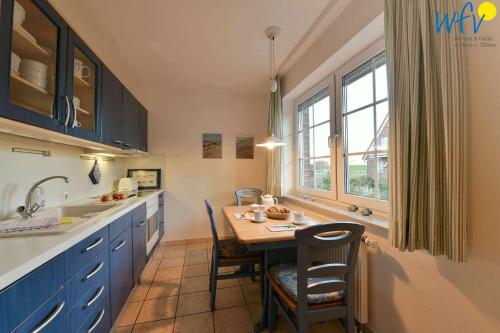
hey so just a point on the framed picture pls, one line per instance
(147, 179)
(244, 147)
(212, 145)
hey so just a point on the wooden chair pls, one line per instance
(247, 193)
(309, 291)
(230, 252)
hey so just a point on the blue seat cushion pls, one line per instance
(286, 276)
(231, 248)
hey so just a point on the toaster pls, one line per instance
(127, 185)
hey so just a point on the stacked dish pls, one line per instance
(19, 14)
(14, 63)
(35, 72)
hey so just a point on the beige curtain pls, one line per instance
(428, 130)
(274, 156)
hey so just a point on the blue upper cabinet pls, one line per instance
(111, 109)
(130, 121)
(83, 90)
(33, 56)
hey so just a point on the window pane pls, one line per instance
(359, 129)
(382, 125)
(361, 170)
(359, 93)
(321, 134)
(381, 82)
(306, 144)
(322, 173)
(305, 118)
(322, 111)
(306, 173)
(382, 177)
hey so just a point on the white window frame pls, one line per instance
(367, 54)
(328, 82)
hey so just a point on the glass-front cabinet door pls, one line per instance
(32, 74)
(83, 90)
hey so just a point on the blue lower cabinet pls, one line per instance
(139, 246)
(98, 320)
(88, 304)
(119, 225)
(120, 271)
(49, 318)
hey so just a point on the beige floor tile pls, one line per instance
(147, 276)
(331, 326)
(227, 283)
(198, 323)
(124, 329)
(255, 311)
(168, 274)
(195, 270)
(251, 292)
(193, 260)
(160, 289)
(177, 242)
(139, 293)
(161, 326)
(156, 309)
(157, 255)
(196, 252)
(199, 245)
(129, 316)
(196, 240)
(193, 303)
(229, 297)
(232, 320)
(175, 252)
(247, 280)
(194, 284)
(169, 262)
(227, 269)
(152, 264)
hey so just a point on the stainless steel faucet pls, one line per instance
(29, 208)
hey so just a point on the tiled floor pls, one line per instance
(173, 297)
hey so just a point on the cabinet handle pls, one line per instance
(117, 142)
(49, 319)
(127, 145)
(75, 123)
(93, 245)
(68, 111)
(97, 321)
(123, 242)
(94, 297)
(94, 271)
(141, 224)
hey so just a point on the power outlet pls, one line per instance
(65, 196)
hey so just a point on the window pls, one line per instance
(364, 113)
(314, 155)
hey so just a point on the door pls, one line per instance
(143, 128)
(120, 273)
(130, 122)
(83, 90)
(32, 63)
(139, 245)
(111, 109)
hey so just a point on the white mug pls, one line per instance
(259, 215)
(298, 216)
(81, 70)
(76, 102)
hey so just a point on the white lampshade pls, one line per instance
(270, 142)
(274, 85)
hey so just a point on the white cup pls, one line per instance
(76, 102)
(298, 216)
(14, 62)
(19, 14)
(259, 215)
(80, 70)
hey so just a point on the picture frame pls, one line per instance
(147, 179)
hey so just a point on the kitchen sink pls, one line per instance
(83, 210)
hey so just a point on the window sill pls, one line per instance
(338, 213)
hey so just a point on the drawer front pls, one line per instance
(97, 321)
(97, 270)
(80, 254)
(139, 212)
(49, 318)
(120, 271)
(119, 226)
(88, 305)
(22, 298)
(139, 247)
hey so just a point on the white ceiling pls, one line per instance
(209, 44)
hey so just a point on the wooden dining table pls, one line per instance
(278, 247)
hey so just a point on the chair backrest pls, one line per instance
(248, 193)
(335, 276)
(210, 212)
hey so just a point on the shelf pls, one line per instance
(25, 82)
(82, 111)
(79, 82)
(27, 48)
(29, 96)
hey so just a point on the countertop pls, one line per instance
(21, 255)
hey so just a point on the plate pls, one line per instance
(303, 222)
(255, 221)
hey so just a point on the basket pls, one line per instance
(277, 216)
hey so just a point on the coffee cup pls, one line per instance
(259, 215)
(298, 216)
(80, 70)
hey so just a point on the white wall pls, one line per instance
(19, 171)
(415, 292)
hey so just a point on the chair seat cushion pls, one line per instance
(286, 276)
(231, 248)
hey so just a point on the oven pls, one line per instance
(153, 224)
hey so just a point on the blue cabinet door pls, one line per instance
(130, 122)
(121, 272)
(33, 92)
(111, 109)
(139, 245)
(161, 214)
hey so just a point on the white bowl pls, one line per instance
(39, 83)
(14, 62)
(33, 74)
(33, 66)
(19, 14)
